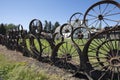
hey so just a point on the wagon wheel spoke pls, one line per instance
(113, 14)
(110, 10)
(103, 74)
(105, 8)
(111, 20)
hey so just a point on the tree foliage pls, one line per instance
(5, 27)
(10, 26)
(2, 29)
(57, 24)
(49, 27)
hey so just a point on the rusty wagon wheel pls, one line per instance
(102, 14)
(80, 36)
(101, 55)
(66, 30)
(13, 38)
(20, 31)
(47, 45)
(76, 19)
(20, 27)
(35, 26)
(33, 46)
(19, 37)
(65, 56)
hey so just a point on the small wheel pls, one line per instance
(80, 36)
(47, 47)
(20, 33)
(102, 14)
(35, 26)
(26, 46)
(66, 30)
(34, 46)
(14, 38)
(76, 19)
(22, 42)
(20, 27)
(102, 55)
(65, 55)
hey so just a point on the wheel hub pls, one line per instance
(115, 62)
(67, 57)
(80, 36)
(100, 17)
(76, 20)
(114, 58)
(66, 31)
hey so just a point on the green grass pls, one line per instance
(45, 45)
(11, 70)
(69, 48)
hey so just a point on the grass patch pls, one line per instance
(22, 71)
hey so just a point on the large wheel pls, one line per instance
(102, 14)
(65, 55)
(35, 26)
(76, 19)
(102, 55)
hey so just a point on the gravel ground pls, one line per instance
(49, 69)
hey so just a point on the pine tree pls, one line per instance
(2, 29)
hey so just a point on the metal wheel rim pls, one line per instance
(67, 56)
(101, 55)
(75, 19)
(66, 30)
(35, 26)
(99, 18)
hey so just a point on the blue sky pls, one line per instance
(23, 11)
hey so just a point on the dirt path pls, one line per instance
(49, 69)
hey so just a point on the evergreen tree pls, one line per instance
(2, 29)
(10, 26)
(45, 27)
(49, 26)
(55, 26)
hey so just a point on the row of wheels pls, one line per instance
(76, 46)
(99, 50)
